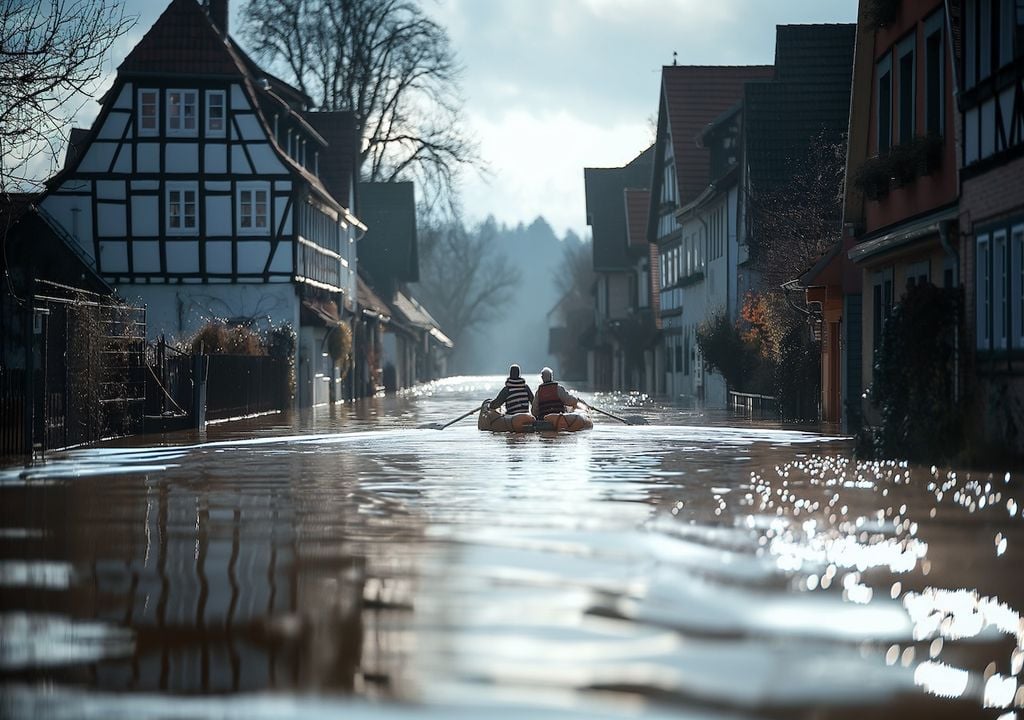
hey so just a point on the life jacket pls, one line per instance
(518, 399)
(548, 400)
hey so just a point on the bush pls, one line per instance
(218, 338)
(915, 378)
(734, 354)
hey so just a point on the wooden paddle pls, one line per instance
(436, 426)
(636, 419)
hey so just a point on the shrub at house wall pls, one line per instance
(914, 379)
(339, 347)
(219, 338)
(735, 352)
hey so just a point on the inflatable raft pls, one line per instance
(495, 421)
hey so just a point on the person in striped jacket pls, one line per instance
(516, 396)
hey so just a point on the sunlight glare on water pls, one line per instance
(354, 560)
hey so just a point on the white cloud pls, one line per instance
(536, 162)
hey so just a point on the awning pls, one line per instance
(409, 312)
(370, 302)
(322, 311)
(903, 234)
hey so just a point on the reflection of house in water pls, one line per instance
(414, 348)
(223, 588)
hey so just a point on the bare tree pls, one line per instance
(466, 281)
(51, 61)
(795, 223)
(575, 277)
(388, 63)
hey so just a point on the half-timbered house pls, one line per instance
(991, 98)
(197, 192)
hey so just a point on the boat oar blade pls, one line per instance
(632, 420)
(442, 426)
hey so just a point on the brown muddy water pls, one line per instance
(348, 563)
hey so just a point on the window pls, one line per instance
(149, 112)
(934, 75)
(216, 121)
(907, 90)
(883, 72)
(970, 43)
(181, 112)
(181, 209)
(1007, 29)
(983, 288)
(1000, 287)
(668, 183)
(917, 274)
(253, 208)
(1017, 284)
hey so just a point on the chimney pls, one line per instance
(218, 12)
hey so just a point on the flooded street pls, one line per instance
(355, 564)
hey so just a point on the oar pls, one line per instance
(637, 420)
(435, 426)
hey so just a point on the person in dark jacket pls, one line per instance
(516, 396)
(551, 397)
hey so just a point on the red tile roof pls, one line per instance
(637, 204)
(693, 96)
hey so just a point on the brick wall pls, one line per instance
(994, 392)
(996, 194)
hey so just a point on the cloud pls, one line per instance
(535, 164)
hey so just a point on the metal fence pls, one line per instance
(238, 385)
(224, 386)
(78, 374)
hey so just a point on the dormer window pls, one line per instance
(149, 112)
(216, 121)
(181, 113)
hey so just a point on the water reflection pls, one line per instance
(665, 569)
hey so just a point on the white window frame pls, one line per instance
(907, 46)
(182, 116)
(1017, 284)
(1000, 290)
(176, 188)
(252, 228)
(982, 292)
(210, 130)
(142, 130)
(884, 66)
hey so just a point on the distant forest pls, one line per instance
(521, 336)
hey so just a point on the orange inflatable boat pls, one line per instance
(495, 421)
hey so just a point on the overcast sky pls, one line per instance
(553, 86)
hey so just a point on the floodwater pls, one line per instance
(351, 563)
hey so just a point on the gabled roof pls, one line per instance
(606, 210)
(388, 251)
(637, 203)
(810, 98)
(814, 53)
(694, 96)
(182, 41)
